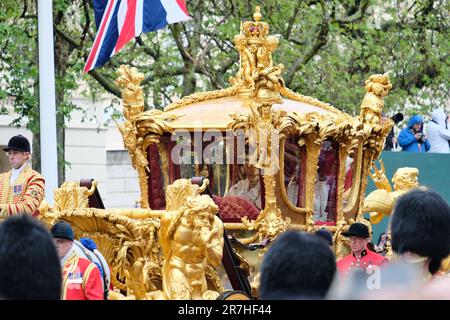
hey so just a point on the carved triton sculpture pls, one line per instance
(190, 238)
(380, 202)
(176, 251)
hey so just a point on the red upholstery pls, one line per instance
(233, 208)
(155, 179)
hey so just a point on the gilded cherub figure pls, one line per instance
(269, 75)
(190, 237)
(377, 87)
(248, 72)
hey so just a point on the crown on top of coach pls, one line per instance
(255, 31)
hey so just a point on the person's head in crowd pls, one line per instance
(325, 235)
(18, 151)
(439, 117)
(297, 266)
(420, 228)
(63, 236)
(416, 123)
(359, 237)
(29, 264)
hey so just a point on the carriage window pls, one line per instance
(244, 197)
(188, 166)
(216, 168)
(293, 169)
(184, 161)
(247, 185)
(352, 180)
(348, 179)
(325, 187)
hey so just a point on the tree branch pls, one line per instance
(357, 16)
(153, 53)
(288, 32)
(105, 83)
(321, 40)
(163, 74)
(176, 33)
(297, 41)
(85, 31)
(73, 44)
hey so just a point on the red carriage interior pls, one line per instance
(232, 207)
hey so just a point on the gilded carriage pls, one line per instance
(310, 159)
(273, 160)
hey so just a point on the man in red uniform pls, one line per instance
(361, 257)
(22, 188)
(81, 278)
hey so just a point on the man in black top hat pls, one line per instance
(22, 188)
(361, 257)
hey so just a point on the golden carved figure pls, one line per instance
(270, 75)
(255, 50)
(69, 196)
(132, 95)
(377, 87)
(247, 73)
(270, 222)
(341, 243)
(263, 135)
(133, 106)
(126, 238)
(264, 127)
(190, 238)
(445, 266)
(131, 143)
(380, 202)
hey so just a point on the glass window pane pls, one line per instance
(293, 172)
(348, 179)
(244, 197)
(325, 187)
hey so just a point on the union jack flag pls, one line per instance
(119, 21)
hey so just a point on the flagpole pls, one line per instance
(47, 105)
